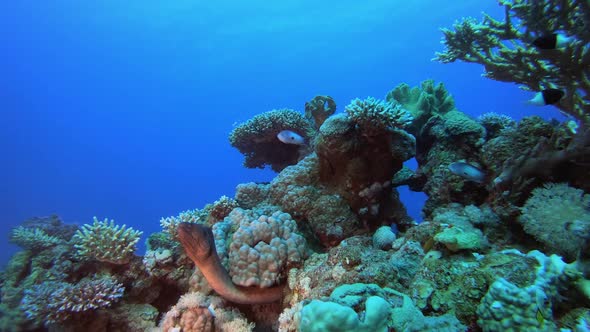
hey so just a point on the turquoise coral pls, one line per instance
(107, 242)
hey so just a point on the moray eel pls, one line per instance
(199, 245)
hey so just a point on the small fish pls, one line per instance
(552, 41)
(467, 171)
(290, 137)
(547, 97)
(572, 126)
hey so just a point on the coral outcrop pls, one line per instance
(257, 139)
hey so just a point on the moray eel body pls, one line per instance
(199, 244)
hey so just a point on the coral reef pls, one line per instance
(443, 135)
(327, 245)
(359, 152)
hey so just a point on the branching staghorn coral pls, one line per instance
(34, 239)
(107, 242)
(505, 48)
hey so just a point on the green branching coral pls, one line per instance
(33, 239)
(257, 139)
(374, 116)
(106, 242)
(505, 48)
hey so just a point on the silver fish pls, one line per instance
(467, 171)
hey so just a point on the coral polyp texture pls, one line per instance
(107, 242)
(257, 139)
(262, 248)
(505, 48)
(374, 116)
(557, 216)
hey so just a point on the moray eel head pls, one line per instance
(197, 240)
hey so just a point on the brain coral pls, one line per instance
(262, 248)
(257, 139)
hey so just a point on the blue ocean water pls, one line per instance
(122, 109)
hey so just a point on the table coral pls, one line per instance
(505, 48)
(257, 139)
(54, 302)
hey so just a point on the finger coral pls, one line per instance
(107, 242)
